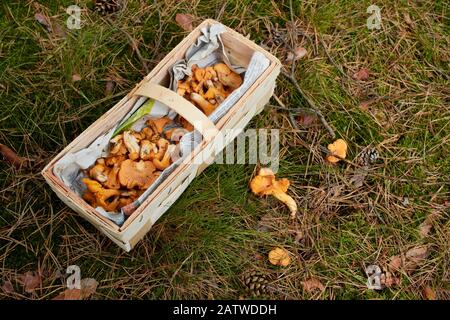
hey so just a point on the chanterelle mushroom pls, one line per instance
(165, 161)
(117, 146)
(115, 160)
(162, 147)
(113, 178)
(265, 184)
(157, 125)
(136, 174)
(227, 77)
(339, 148)
(108, 199)
(206, 107)
(99, 172)
(132, 145)
(148, 150)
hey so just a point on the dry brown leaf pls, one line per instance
(12, 157)
(415, 256)
(312, 284)
(364, 105)
(76, 77)
(50, 24)
(299, 237)
(358, 178)
(396, 263)
(426, 226)
(8, 287)
(69, 294)
(407, 19)
(88, 287)
(30, 281)
(109, 87)
(389, 280)
(44, 20)
(185, 21)
(424, 229)
(279, 257)
(299, 53)
(307, 119)
(362, 74)
(429, 293)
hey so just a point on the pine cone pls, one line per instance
(256, 283)
(368, 157)
(107, 6)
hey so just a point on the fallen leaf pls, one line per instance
(429, 293)
(279, 257)
(415, 256)
(69, 294)
(299, 53)
(307, 119)
(8, 287)
(364, 105)
(388, 280)
(50, 24)
(88, 287)
(185, 21)
(407, 19)
(30, 281)
(76, 77)
(44, 20)
(312, 284)
(12, 157)
(357, 179)
(396, 263)
(109, 87)
(424, 229)
(299, 237)
(362, 74)
(258, 257)
(426, 226)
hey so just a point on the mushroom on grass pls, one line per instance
(265, 184)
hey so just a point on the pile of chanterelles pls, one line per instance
(134, 162)
(208, 87)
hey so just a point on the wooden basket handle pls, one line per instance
(182, 106)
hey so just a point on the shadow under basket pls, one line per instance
(240, 50)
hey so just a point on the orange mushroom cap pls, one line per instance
(339, 148)
(265, 184)
(136, 174)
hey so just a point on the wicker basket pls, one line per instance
(240, 50)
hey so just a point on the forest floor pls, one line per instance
(386, 89)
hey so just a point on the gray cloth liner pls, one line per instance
(207, 51)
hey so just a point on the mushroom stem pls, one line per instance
(165, 162)
(206, 107)
(132, 145)
(287, 200)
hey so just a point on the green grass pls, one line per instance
(212, 235)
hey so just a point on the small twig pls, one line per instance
(332, 60)
(291, 77)
(136, 49)
(293, 45)
(310, 102)
(133, 43)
